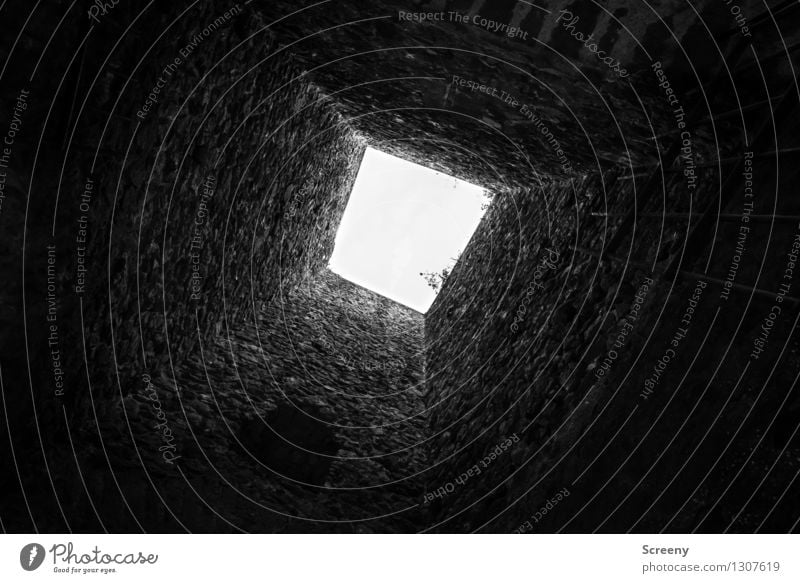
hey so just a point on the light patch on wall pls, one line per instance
(403, 219)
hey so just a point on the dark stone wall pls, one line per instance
(309, 420)
(189, 172)
(207, 149)
(549, 107)
(575, 357)
(636, 396)
(233, 185)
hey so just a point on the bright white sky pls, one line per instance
(403, 219)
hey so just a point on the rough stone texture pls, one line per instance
(241, 169)
(265, 123)
(395, 79)
(267, 155)
(506, 357)
(311, 421)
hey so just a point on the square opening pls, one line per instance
(404, 225)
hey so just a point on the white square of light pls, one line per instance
(403, 219)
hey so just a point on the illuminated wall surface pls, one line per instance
(614, 350)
